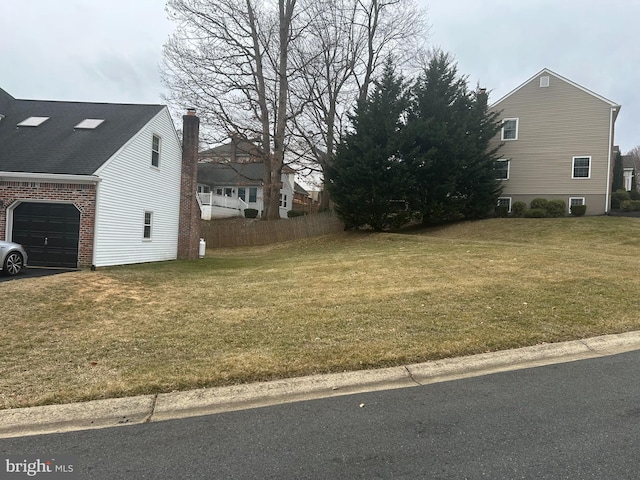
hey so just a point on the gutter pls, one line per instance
(608, 189)
(49, 177)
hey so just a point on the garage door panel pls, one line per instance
(49, 232)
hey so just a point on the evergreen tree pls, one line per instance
(450, 128)
(369, 178)
(618, 173)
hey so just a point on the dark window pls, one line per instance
(581, 167)
(155, 151)
(502, 169)
(148, 217)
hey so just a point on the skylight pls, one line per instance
(33, 121)
(89, 123)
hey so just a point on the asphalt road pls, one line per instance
(31, 272)
(578, 420)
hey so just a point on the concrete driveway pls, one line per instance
(31, 272)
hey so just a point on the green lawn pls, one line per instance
(333, 303)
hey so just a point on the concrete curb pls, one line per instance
(152, 408)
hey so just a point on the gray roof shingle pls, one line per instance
(55, 146)
(230, 173)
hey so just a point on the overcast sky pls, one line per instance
(110, 51)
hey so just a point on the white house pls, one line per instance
(90, 184)
(226, 189)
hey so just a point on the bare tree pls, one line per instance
(230, 60)
(345, 44)
(283, 76)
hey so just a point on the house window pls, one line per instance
(253, 195)
(283, 200)
(155, 151)
(228, 192)
(575, 201)
(502, 169)
(510, 129)
(204, 188)
(544, 82)
(148, 222)
(505, 202)
(242, 194)
(219, 191)
(581, 167)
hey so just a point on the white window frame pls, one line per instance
(505, 198)
(517, 120)
(573, 167)
(147, 225)
(155, 153)
(582, 201)
(544, 81)
(508, 168)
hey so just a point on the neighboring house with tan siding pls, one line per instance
(557, 141)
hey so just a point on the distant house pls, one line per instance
(227, 189)
(237, 150)
(557, 141)
(629, 170)
(96, 184)
(230, 180)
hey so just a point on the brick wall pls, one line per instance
(83, 196)
(189, 221)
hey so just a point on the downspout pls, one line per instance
(96, 219)
(608, 190)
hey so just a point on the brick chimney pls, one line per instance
(189, 222)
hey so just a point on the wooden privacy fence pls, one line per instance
(243, 232)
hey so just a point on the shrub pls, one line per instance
(630, 206)
(556, 208)
(578, 210)
(535, 213)
(634, 195)
(539, 203)
(518, 208)
(296, 213)
(250, 213)
(618, 197)
(502, 211)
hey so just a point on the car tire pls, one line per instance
(13, 264)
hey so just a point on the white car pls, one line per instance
(13, 258)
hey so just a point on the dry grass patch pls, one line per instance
(333, 303)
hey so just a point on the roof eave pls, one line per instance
(49, 177)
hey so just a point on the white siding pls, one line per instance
(130, 187)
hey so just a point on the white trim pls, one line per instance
(517, 120)
(505, 198)
(610, 149)
(573, 167)
(144, 226)
(546, 71)
(49, 177)
(159, 151)
(582, 199)
(96, 216)
(508, 168)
